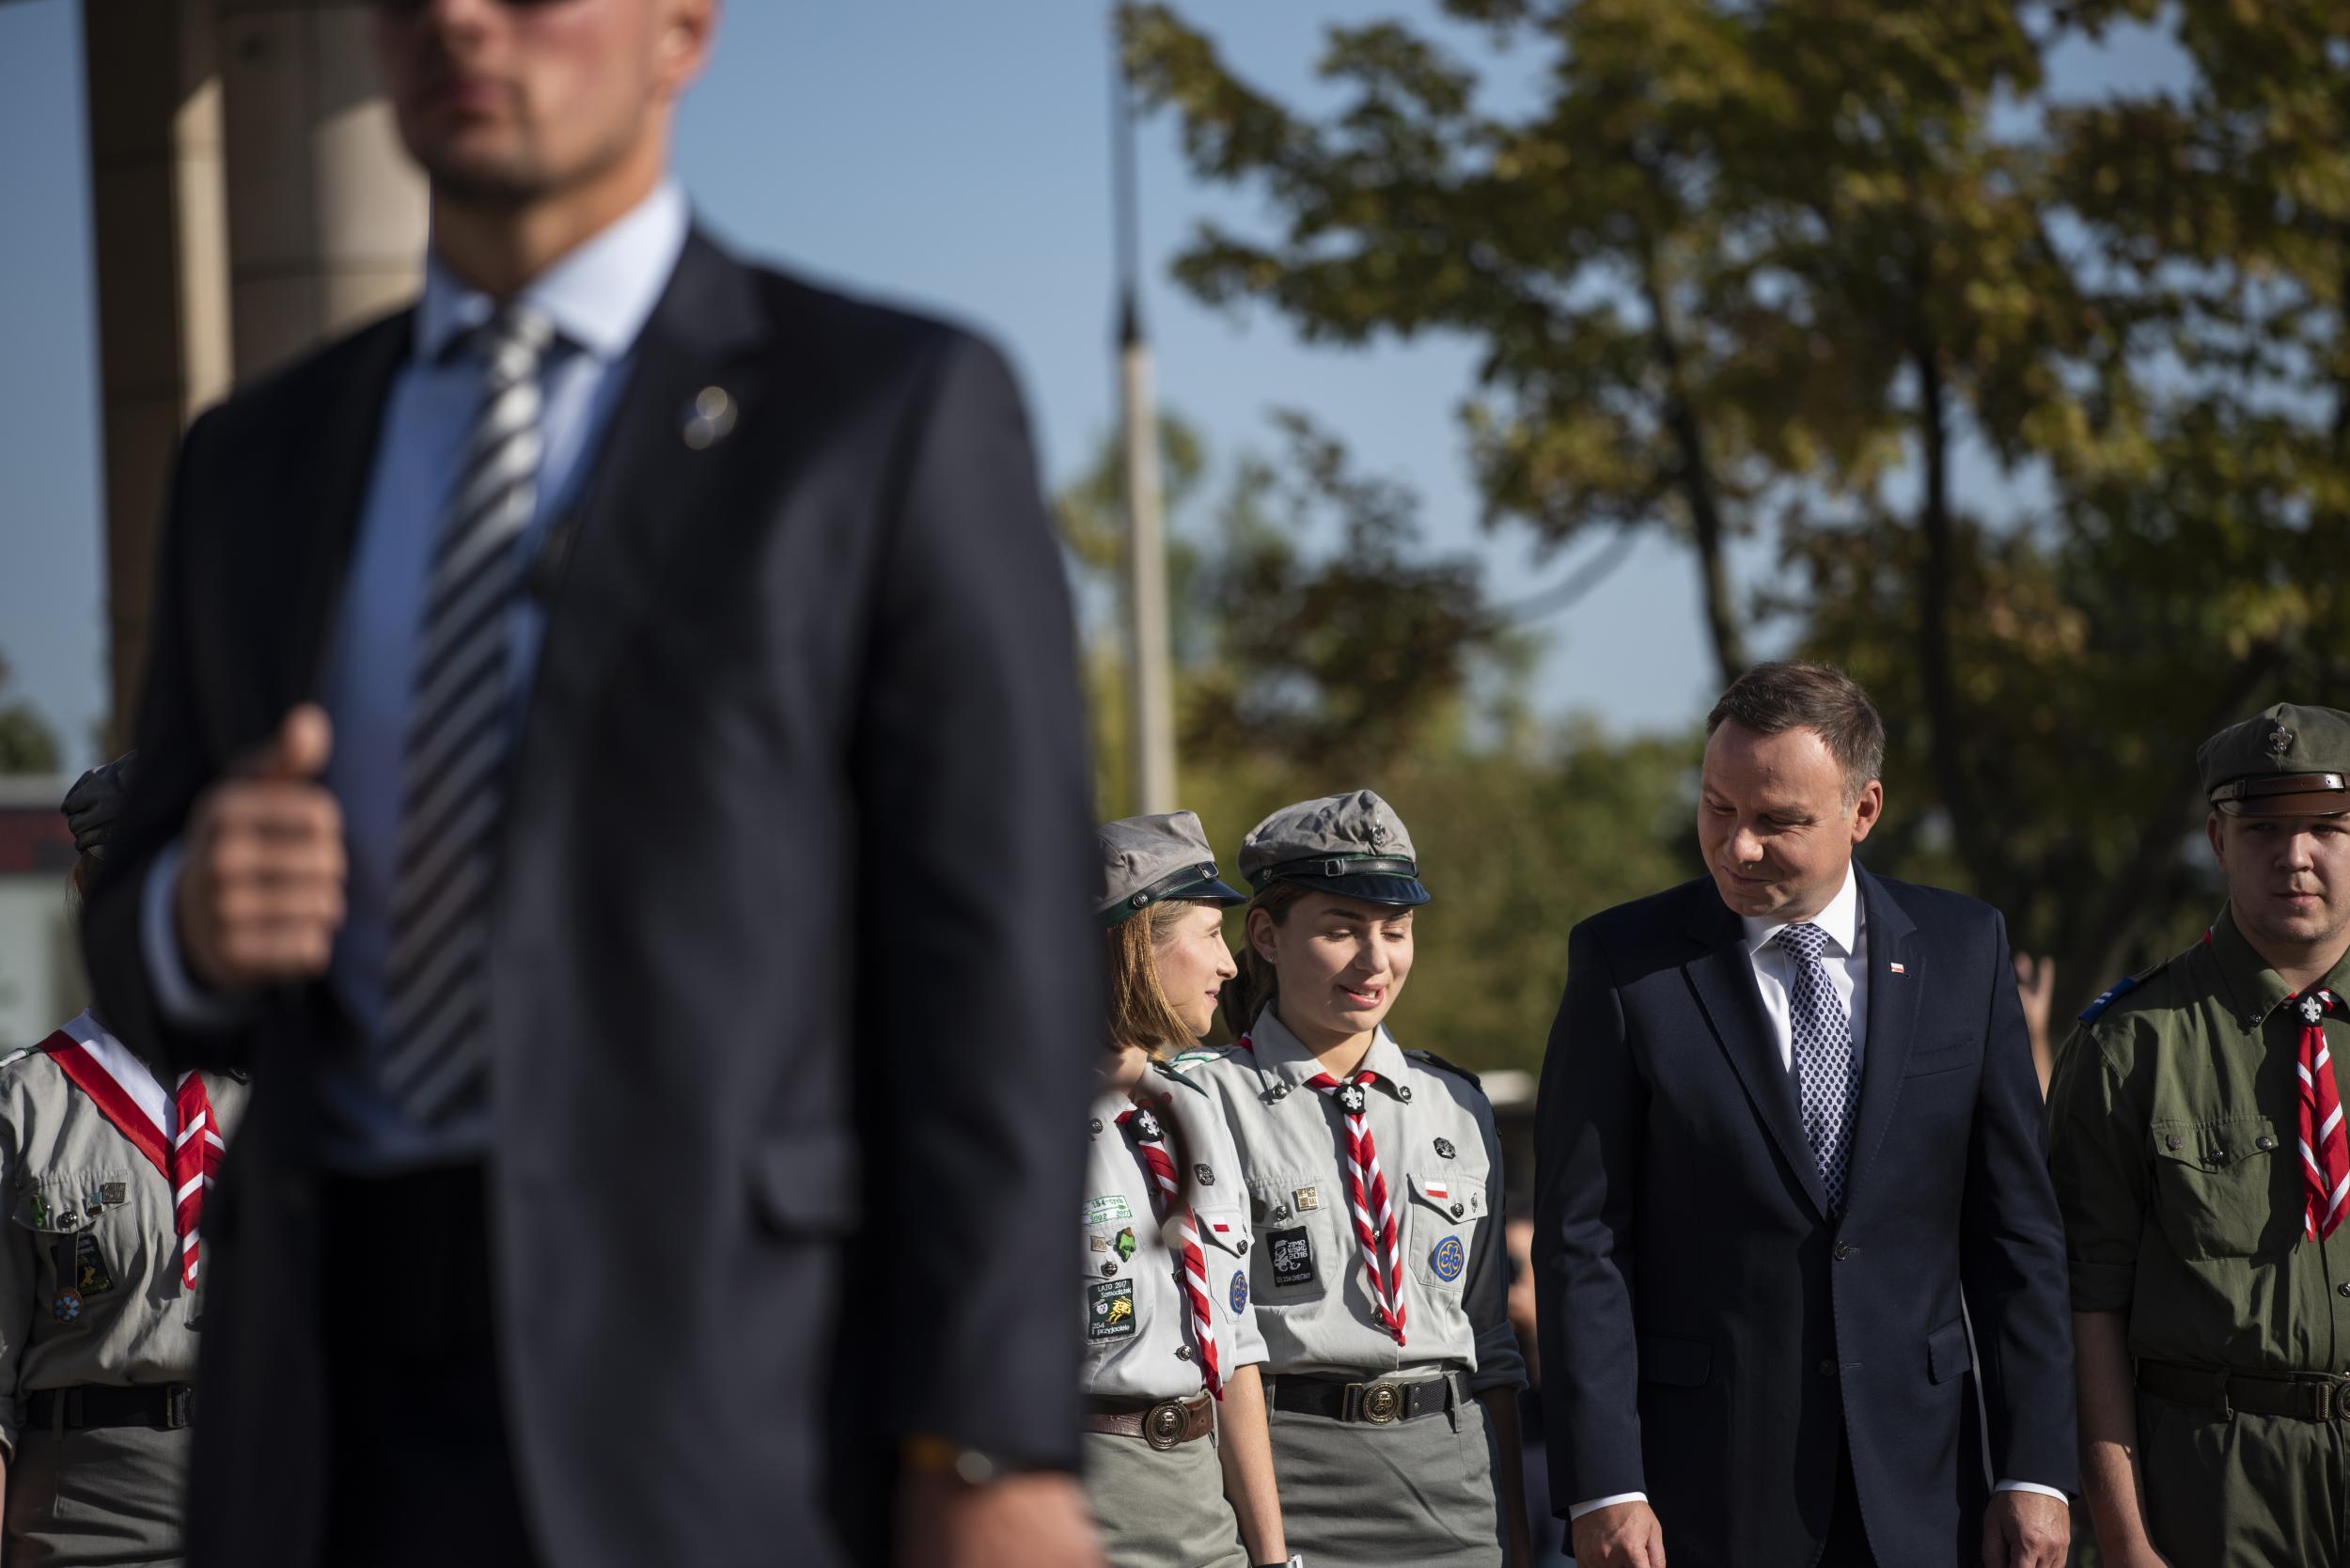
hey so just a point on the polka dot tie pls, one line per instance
(1822, 1034)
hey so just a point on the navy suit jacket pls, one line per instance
(1711, 1335)
(790, 970)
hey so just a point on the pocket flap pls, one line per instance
(1226, 1228)
(805, 1184)
(1948, 1354)
(1678, 1363)
(2216, 1145)
(1456, 1198)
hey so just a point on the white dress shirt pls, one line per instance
(1846, 960)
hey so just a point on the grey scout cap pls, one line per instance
(94, 805)
(1147, 860)
(1352, 844)
(2284, 761)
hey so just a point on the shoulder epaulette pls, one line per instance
(1435, 1060)
(2118, 990)
(18, 1055)
(1168, 1070)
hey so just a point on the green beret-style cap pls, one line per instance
(2285, 761)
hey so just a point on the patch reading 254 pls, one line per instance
(1111, 1311)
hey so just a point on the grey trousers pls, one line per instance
(1161, 1507)
(108, 1497)
(1415, 1495)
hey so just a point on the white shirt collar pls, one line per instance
(1840, 919)
(599, 296)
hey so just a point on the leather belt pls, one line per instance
(2309, 1396)
(1382, 1402)
(166, 1406)
(1164, 1425)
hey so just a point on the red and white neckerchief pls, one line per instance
(175, 1132)
(1367, 1195)
(2325, 1150)
(1149, 1134)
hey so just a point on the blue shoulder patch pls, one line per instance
(2106, 998)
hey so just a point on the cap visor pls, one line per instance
(1401, 891)
(1208, 889)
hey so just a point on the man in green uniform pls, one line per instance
(2200, 1159)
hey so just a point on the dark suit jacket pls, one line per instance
(793, 1003)
(1709, 1335)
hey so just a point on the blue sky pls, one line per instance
(937, 152)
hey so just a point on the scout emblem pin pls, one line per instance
(1240, 1291)
(1447, 1260)
(1444, 1148)
(1203, 1175)
(1308, 1199)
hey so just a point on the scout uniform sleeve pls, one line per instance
(2095, 1155)
(1500, 1362)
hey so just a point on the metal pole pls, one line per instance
(1151, 708)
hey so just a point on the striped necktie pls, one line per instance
(1150, 1136)
(436, 999)
(1820, 1033)
(1367, 1195)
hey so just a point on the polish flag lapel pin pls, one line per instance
(1897, 969)
(1440, 1191)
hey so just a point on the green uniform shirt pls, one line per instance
(2175, 1144)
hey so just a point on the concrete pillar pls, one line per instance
(326, 217)
(160, 243)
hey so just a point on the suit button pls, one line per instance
(1844, 1250)
(2343, 1287)
(1827, 1366)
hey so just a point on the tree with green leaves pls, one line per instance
(28, 743)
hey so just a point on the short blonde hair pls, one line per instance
(1140, 1014)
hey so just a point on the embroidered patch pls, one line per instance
(92, 1277)
(1111, 1311)
(1292, 1257)
(1307, 1199)
(1205, 1177)
(66, 1307)
(1240, 1291)
(1125, 1245)
(1109, 1206)
(1449, 1259)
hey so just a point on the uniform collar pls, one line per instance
(2254, 989)
(1841, 920)
(1280, 1055)
(599, 296)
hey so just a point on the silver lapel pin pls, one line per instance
(708, 417)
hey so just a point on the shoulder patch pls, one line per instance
(2118, 990)
(1431, 1060)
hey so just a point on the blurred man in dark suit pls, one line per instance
(600, 718)
(1791, 1141)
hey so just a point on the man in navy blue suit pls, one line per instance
(1791, 1189)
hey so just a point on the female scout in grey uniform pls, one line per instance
(98, 1318)
(1374, 1178)
(1168, 1331)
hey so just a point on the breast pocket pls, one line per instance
(1443, 1214)
(2228, 1188)
(91, 1245)
(1295, 1257)
(1224, 1248)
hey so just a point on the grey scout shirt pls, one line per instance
(1138, 1343)
(1434, 1132)
(83, 1201)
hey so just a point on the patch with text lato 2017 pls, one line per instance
(1111, 1311)
(1448, 1258)
(1293, 1255)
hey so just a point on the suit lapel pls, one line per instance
(1893, 1012)
(1723, 978)
(601, 565)
(323, 494)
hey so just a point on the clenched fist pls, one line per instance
(260, 893)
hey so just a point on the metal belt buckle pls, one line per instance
(2339, 1401)
(1382, 1402)
(1164, 1425)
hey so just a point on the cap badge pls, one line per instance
(2279, 740)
